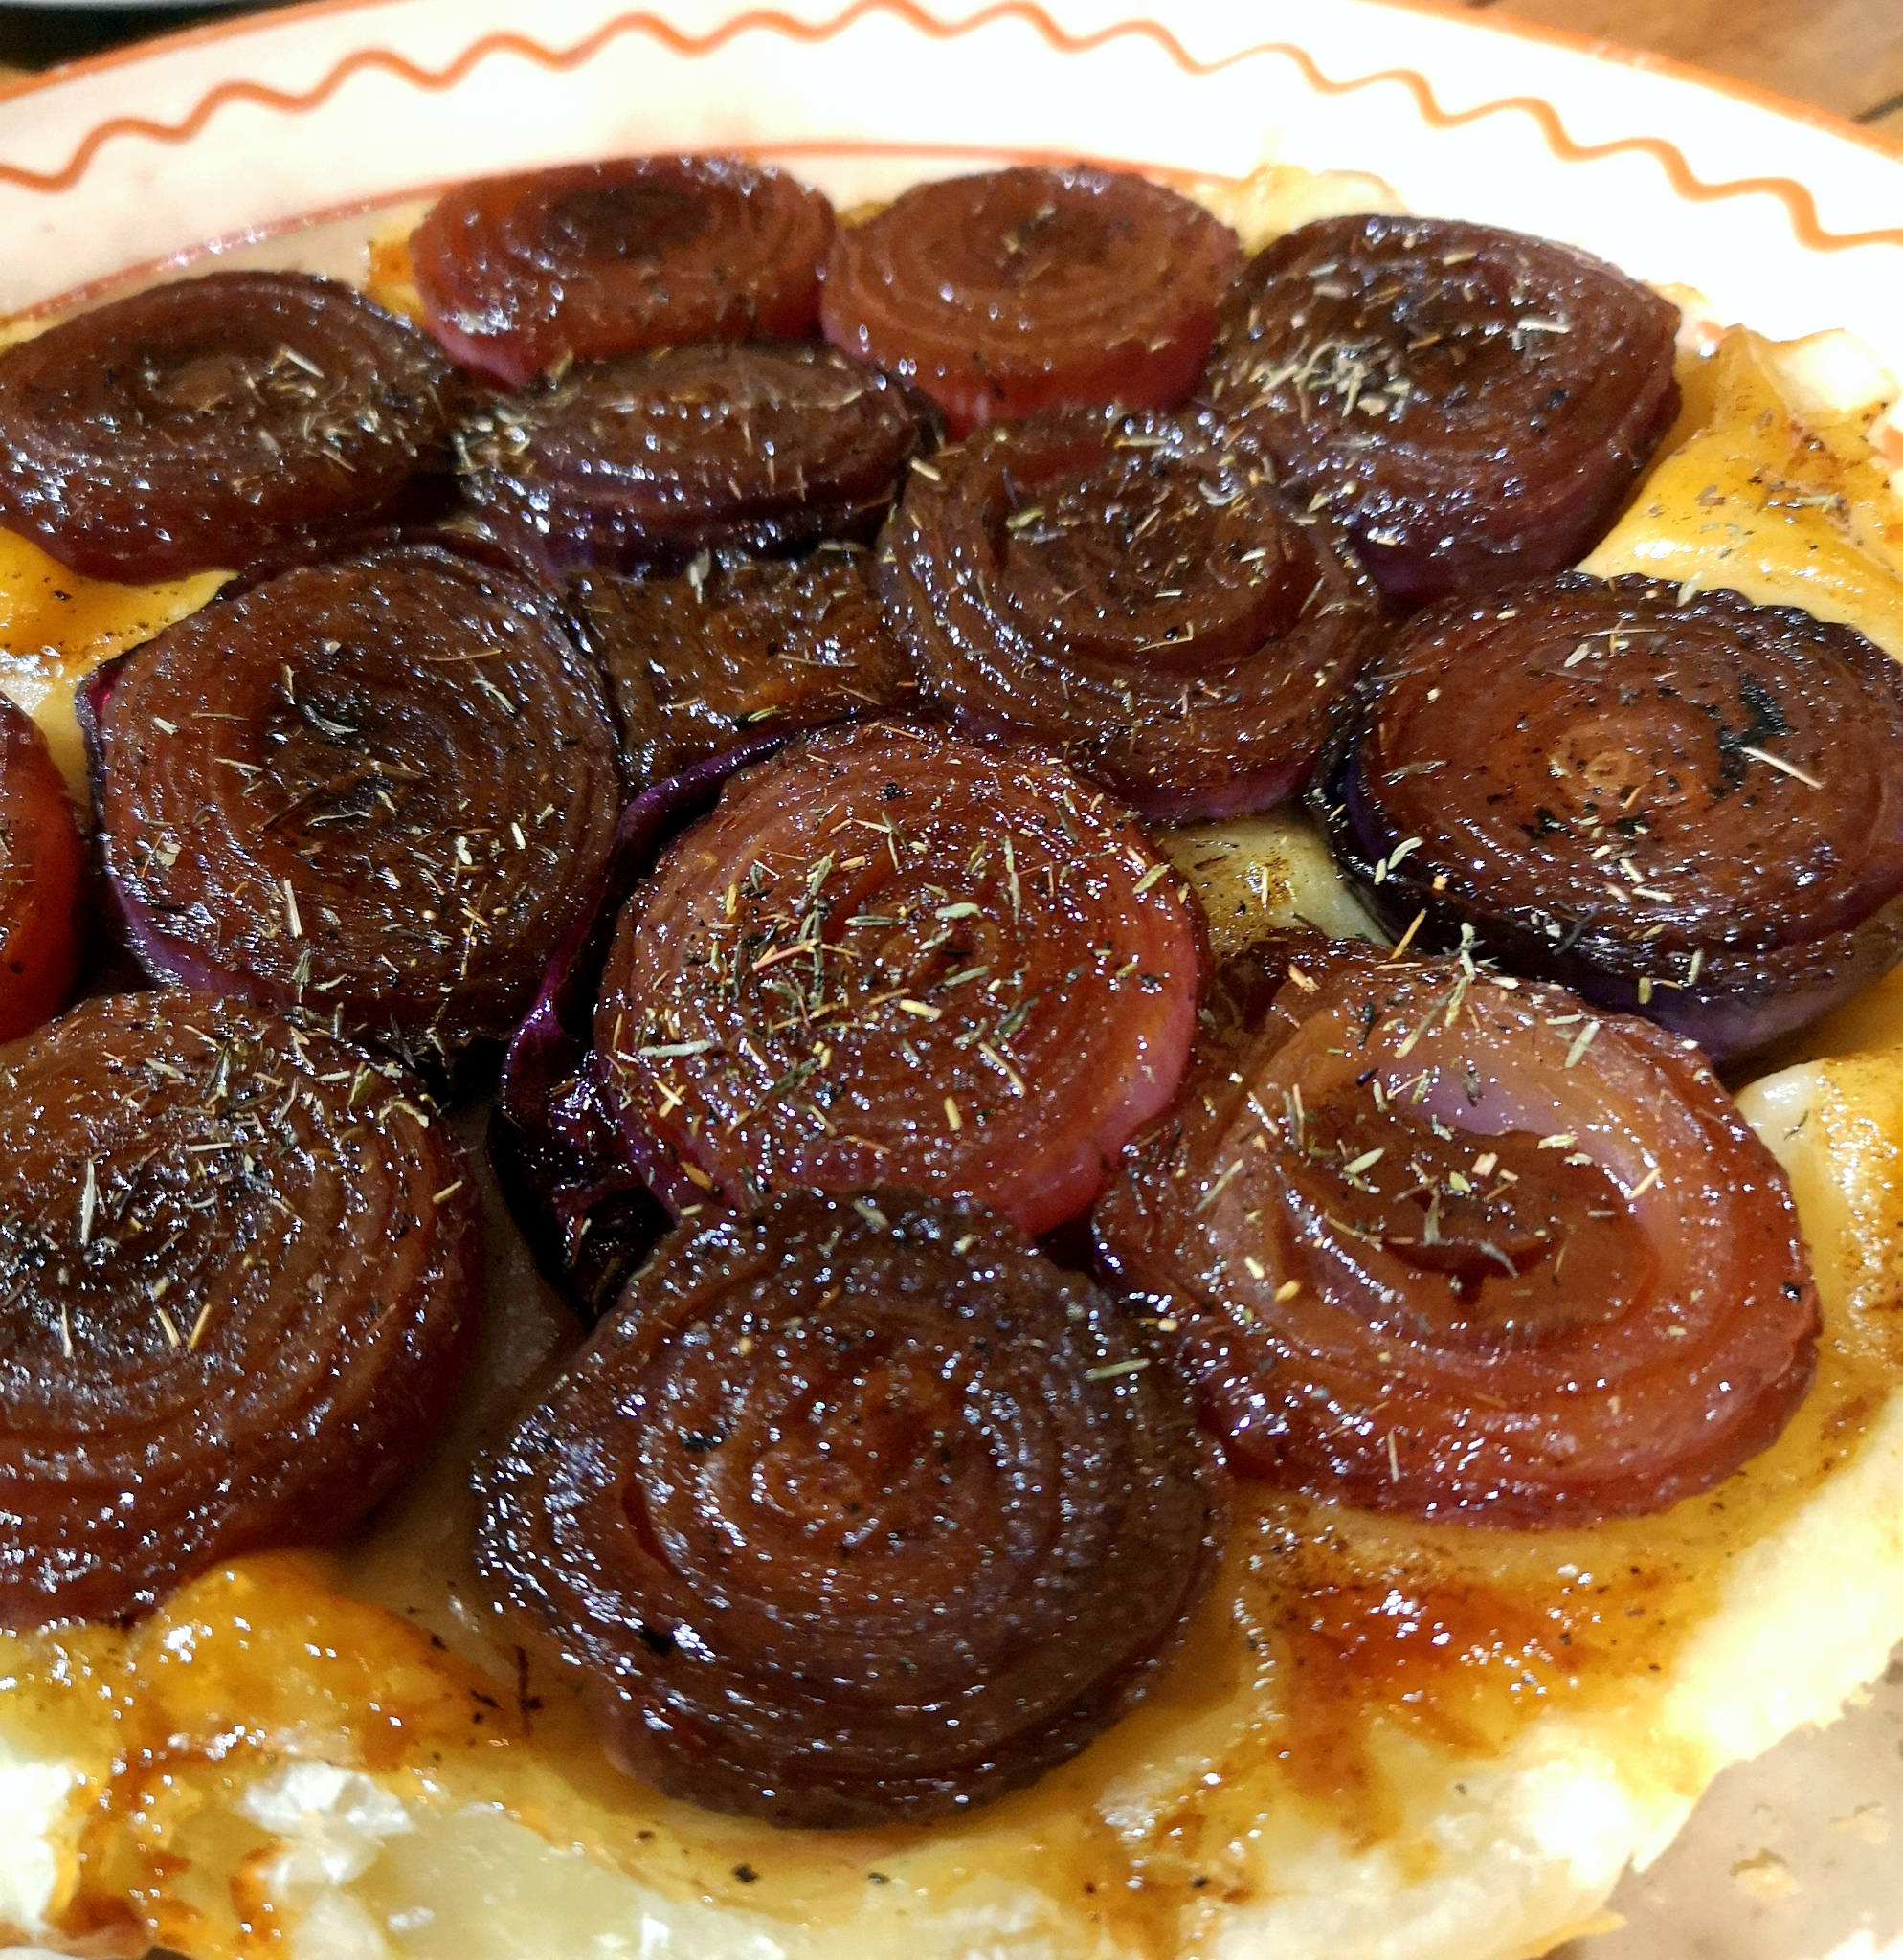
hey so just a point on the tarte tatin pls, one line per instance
(897, 1108)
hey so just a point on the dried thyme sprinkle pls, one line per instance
(1112, 1370)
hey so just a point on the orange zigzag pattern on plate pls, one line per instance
(1796, 200)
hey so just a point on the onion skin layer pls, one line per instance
(1024, 289)
(955, 966)
(240, 1267)
(856, 1512)
(1135, 596)
(643, 462)
(1456, 1248)
(410, 746)
(1523, 385)
(520, 273)
(42, 868)
(704, 661)
(204, 424)
(1681, 806)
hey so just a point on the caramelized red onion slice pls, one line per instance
(1687, 808)
(587, 1214)
(893, 954)
(643, 461)
(1030, 288)
(239, 1269)
(856, 1512)
(1469, 402)
(381, 789)
(519, 274)
(1457, 1248)
(1133, 593)
(42, 864)
(704, 661)
(214, 420)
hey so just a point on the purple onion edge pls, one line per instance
(590, 1196)
(1730, 1027)
(157, 956)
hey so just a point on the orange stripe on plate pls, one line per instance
(1799, 204)
(1616, 54)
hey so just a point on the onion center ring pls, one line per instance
(1455, 1248)
(722, 653)
(1469, 402)
(1683, 806)
(644, 462)
(1026, 289)
(239, 1268)
(891, 953)
(855, 1512)
(212, 422)
(518, 273)
(384, 785)
(1134, 593)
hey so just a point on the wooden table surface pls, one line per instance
(1845, 55)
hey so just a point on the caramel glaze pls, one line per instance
(1331, 1641)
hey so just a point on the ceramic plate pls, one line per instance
(1785, 218)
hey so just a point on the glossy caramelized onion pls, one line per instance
(1458, 1247)
(42, 863)
(1688, 808)
(518, 273)
(892, 955)
(381, 787)
(239, 1267)
(203, 423)
(701, 661)
(645, 462)
(1134, 594)
(1469, 402)
(1025, 289)
(857, 1512)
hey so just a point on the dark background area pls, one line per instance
(38, 36)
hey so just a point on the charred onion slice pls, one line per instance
(1029, 289)
(892, 954)
(239, 1267)
(1134, 594)
(383, 786)
(518, 273)
(646, 460)
(203, 423)
(724, 652)
(1690, 810)
(41, 866)
(1449, 1249)
(1469, 402)
(857, 1512)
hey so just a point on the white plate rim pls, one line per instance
(149, 127)
(95, 150)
